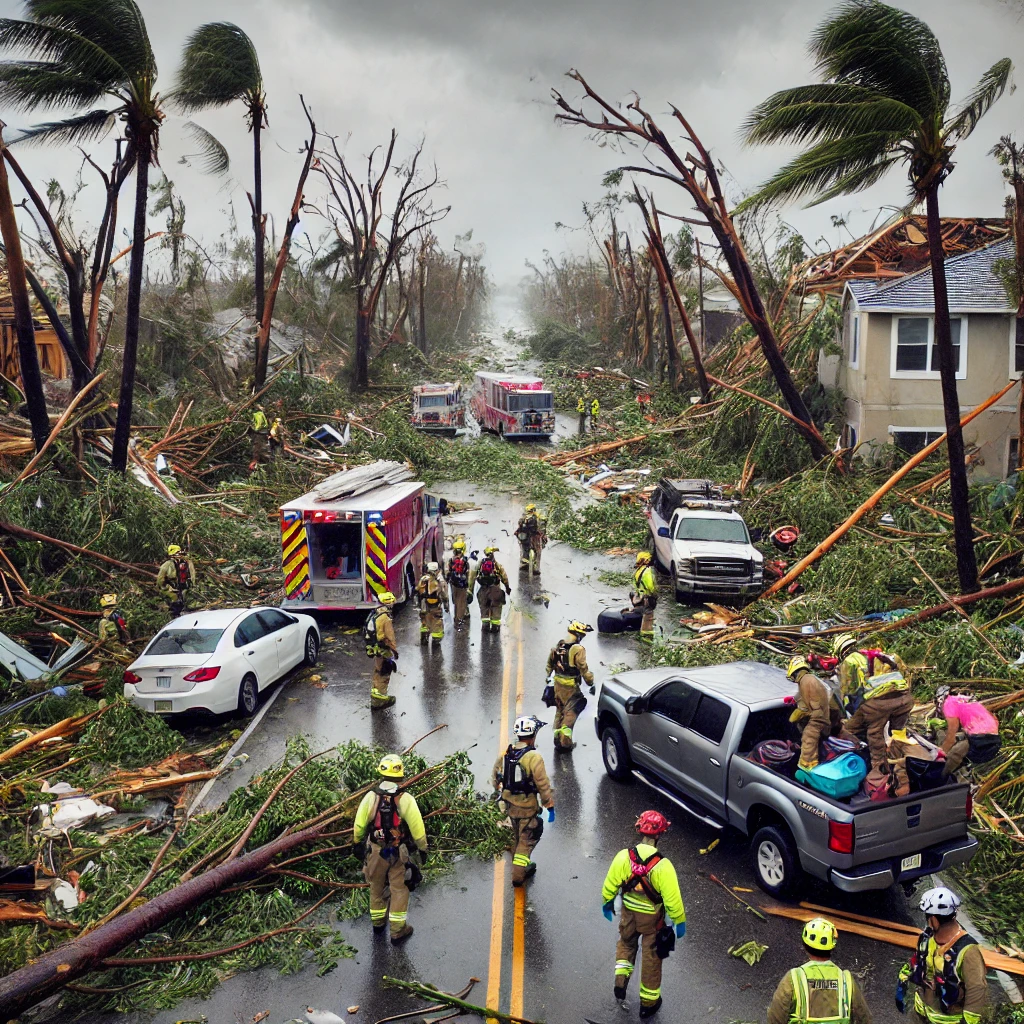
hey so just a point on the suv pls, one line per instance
(699, 538)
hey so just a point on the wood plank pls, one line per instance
(830, 913)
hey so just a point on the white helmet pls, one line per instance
(432, 566)
(527, 726)
(940, 902)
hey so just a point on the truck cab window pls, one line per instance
(675, 701)
(710, 718)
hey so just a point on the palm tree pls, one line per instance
(884, 100)
(219, 66)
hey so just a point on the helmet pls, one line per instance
(386, 597)
(820, 933)
(432, 566)
(530, 508)
(108, 600)
(643, 558)
(795, 665)
(527, 726)
(391, 767)
(652, 823)
(173, 549)
(459, 544)
(940, 902)
(842, 644)
(941, 693)
(490, 549)
(580, 628)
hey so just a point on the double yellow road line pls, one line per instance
(513, 657)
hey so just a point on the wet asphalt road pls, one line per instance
(550, 956)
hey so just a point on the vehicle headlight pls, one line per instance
(684, 566)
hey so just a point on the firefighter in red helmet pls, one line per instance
(649, 887)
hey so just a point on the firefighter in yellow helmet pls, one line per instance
(820, 990)
(390, 821)
(595, 409)
(456, 574)
(431, 595)
(568, 662)
(112, 623)
(381, 645)
(644, 596)
(581, 411)
(176, 576)
(258, 430)
(277, 437)
(492, 580)
(531, 532)
(818, 713)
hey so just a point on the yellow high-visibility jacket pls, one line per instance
(662, 878)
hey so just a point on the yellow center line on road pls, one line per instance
(515, 1006)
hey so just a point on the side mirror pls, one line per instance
(663, 531)
(635, 705)
(442, 507)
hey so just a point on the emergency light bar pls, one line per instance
(327, 516)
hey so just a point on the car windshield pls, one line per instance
(185, 641)
(727, 531)
(432, 401)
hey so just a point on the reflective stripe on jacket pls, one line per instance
(821, 978)
(644, 581)
(663, 880)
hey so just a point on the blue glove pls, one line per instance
(59, 691)
(551, 814)
(609, 910)
(901, 996)
(680, 929)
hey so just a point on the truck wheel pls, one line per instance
(616, 757)
(774, 859)
(680, 596)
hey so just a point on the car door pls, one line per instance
(285, 631)
(704, 760)
(258, 649)
(658, 734)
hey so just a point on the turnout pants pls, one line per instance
(491, 600)
(526, 833)
(381, 680)
(431, 621)
(525, 546)
(632, 928)
(647, 606)
(386, 877)
(873, 715)
(460, 600)
(569, 701)
(536, 546)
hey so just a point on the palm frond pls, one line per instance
(826, 111)
(83, 128)
(48, 44)
(339, 249)
(212, 153)
(26, 85)
(990, 87)
(218, 66)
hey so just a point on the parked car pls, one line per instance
(702, 542)
(219, 660)
(686, 733)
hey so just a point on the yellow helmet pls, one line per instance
(580, 628)
(391, 767)
(843, 644)
(490, 549)
(820, 934)
(459, 544)
(386, 597)
(530, 508)
(795, 665)
(108, 600)
(643, 558)
(173, 549)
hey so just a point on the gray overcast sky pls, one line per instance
(474, 76)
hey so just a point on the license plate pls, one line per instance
(164, 682)
(165, 705)
(909, 863)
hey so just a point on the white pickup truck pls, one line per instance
(702, 541)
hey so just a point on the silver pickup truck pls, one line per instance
(686, 733)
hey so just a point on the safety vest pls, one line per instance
(948, 985)
(561, 662)
(431, 590)
(458, 572)
(580, 405)
(640, 868)
(594, 407)
(515, 778)
(820, 977)
(644, 583)
(884, 684)
(259, 420)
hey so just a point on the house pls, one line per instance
(51, 355)
(888, 370)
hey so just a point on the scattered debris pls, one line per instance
(750, 951)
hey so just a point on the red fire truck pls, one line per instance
(438, 409)
(338, 553)
(512, 406)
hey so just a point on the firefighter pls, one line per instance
(650, 890)
(457, 577)
(522, 782)
(276, 437)
(595, 408)
(112, 623)
(387, 819)
(885, 699)
(644, 596)
(581, 411)
(532, 535)
(381, 645)
(176, 576)
(491, 578)
(947, 969)
(819, 991)
(817, 713)
(568, 662)
(258, 429)
(431, 594)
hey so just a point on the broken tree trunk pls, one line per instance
(991, 593)
(840, 531)
(21, 531)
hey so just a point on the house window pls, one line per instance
(913, 439)
(1018, 350)
(854, 340)
(915, 352)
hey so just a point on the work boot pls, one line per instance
(424, 638)
(645, 1011)
(405, 932)
(377, 703)
(378, 929)
(620, 993)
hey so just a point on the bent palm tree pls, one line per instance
(884, 101)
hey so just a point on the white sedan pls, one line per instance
(219, 660)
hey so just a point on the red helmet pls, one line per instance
(652, 823)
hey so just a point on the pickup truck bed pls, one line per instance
(686, 733)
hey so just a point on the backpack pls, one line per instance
(387, 821)
(121, 623)
(184, 577)
(639, 870)
(488, 572)
(560, 660)
(431, 597)
(514, 778)
(458, 572)
(370, 631)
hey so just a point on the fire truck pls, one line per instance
(357, 534)
(512, 406)
(438, 409)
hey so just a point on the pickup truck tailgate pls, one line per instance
(910, 823)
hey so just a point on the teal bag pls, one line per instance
(838, 778)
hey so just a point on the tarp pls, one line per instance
(26, 666)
